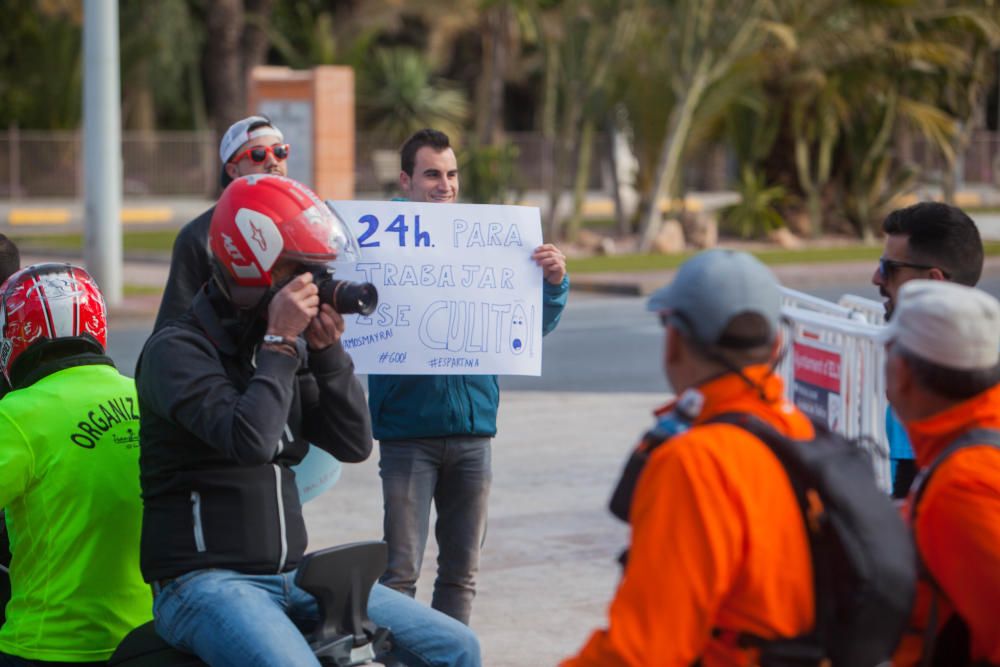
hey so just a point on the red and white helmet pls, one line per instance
(262, 218)
(49, 303)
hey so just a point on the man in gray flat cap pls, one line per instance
(943, 380)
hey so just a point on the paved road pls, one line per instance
(602, 344)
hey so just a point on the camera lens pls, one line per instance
(348, 297)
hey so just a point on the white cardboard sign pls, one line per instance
(458, 290)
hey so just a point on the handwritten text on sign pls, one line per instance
(458, 290)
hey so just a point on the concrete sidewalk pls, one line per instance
(549, 564)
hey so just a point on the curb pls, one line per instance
(795, 276)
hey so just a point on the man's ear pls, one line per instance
(232, 170)
(675, 344)
(779, 340)
(904, 375)
(936, 274)
(900, 382)
(404, 181)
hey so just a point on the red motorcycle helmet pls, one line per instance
(45, 305)
(262, 218)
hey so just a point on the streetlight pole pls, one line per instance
(102, 148)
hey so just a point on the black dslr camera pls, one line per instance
(345, 296)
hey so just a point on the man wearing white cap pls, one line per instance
(252, 145)
(943, 380)
(718, 540)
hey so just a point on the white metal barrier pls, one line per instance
(872, 310)
(797, 299)
(834, 372)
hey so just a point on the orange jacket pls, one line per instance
(717, 541)
(958, 528)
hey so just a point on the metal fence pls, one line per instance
(49, 164)
(834, 370)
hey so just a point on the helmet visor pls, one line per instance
(318, 236)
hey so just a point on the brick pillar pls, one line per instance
(315, 111)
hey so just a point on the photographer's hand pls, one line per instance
(325, 329)
(293, 307)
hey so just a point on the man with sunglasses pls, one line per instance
(252, 145)
(931, 241)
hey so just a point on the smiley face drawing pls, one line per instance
(518, 331)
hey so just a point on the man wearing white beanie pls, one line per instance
(943, 380)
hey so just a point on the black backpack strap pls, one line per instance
(621, 497)
(973, 438)
(955, 632)
(812, 515)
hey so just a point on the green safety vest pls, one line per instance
(69, 481)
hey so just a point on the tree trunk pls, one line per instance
(225, 85)
(254, 42)
(678, 126)
(547, 121)
(490, 91)
(581, 181)
(611, 162)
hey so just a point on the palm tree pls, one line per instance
(398, 95)
(843, 80)
(703, 40)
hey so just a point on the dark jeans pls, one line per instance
(906, 472)
(456, 474)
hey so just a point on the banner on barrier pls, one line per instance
(458, 290)
(817, 387)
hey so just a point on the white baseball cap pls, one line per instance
(947, 324)
(239, 133)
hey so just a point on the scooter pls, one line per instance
(340, 578)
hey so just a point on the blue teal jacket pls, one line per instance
(405, 407)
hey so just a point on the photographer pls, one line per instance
(230, 396)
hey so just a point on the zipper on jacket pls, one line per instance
(281, 441)
(199, 532)
(281, 518)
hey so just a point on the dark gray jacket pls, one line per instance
(190, 268)
(222, 422)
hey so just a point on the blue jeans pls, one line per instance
(230, 618)
(456, 474)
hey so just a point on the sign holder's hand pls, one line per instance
(552, 262)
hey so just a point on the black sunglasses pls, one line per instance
(887, 266)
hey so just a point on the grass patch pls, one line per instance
(162, 241)
(154, 240)
(142, 290)
(616, 263)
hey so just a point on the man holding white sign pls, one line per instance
(435, 431)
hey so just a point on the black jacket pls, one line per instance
(190, 268)
(219, 435)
